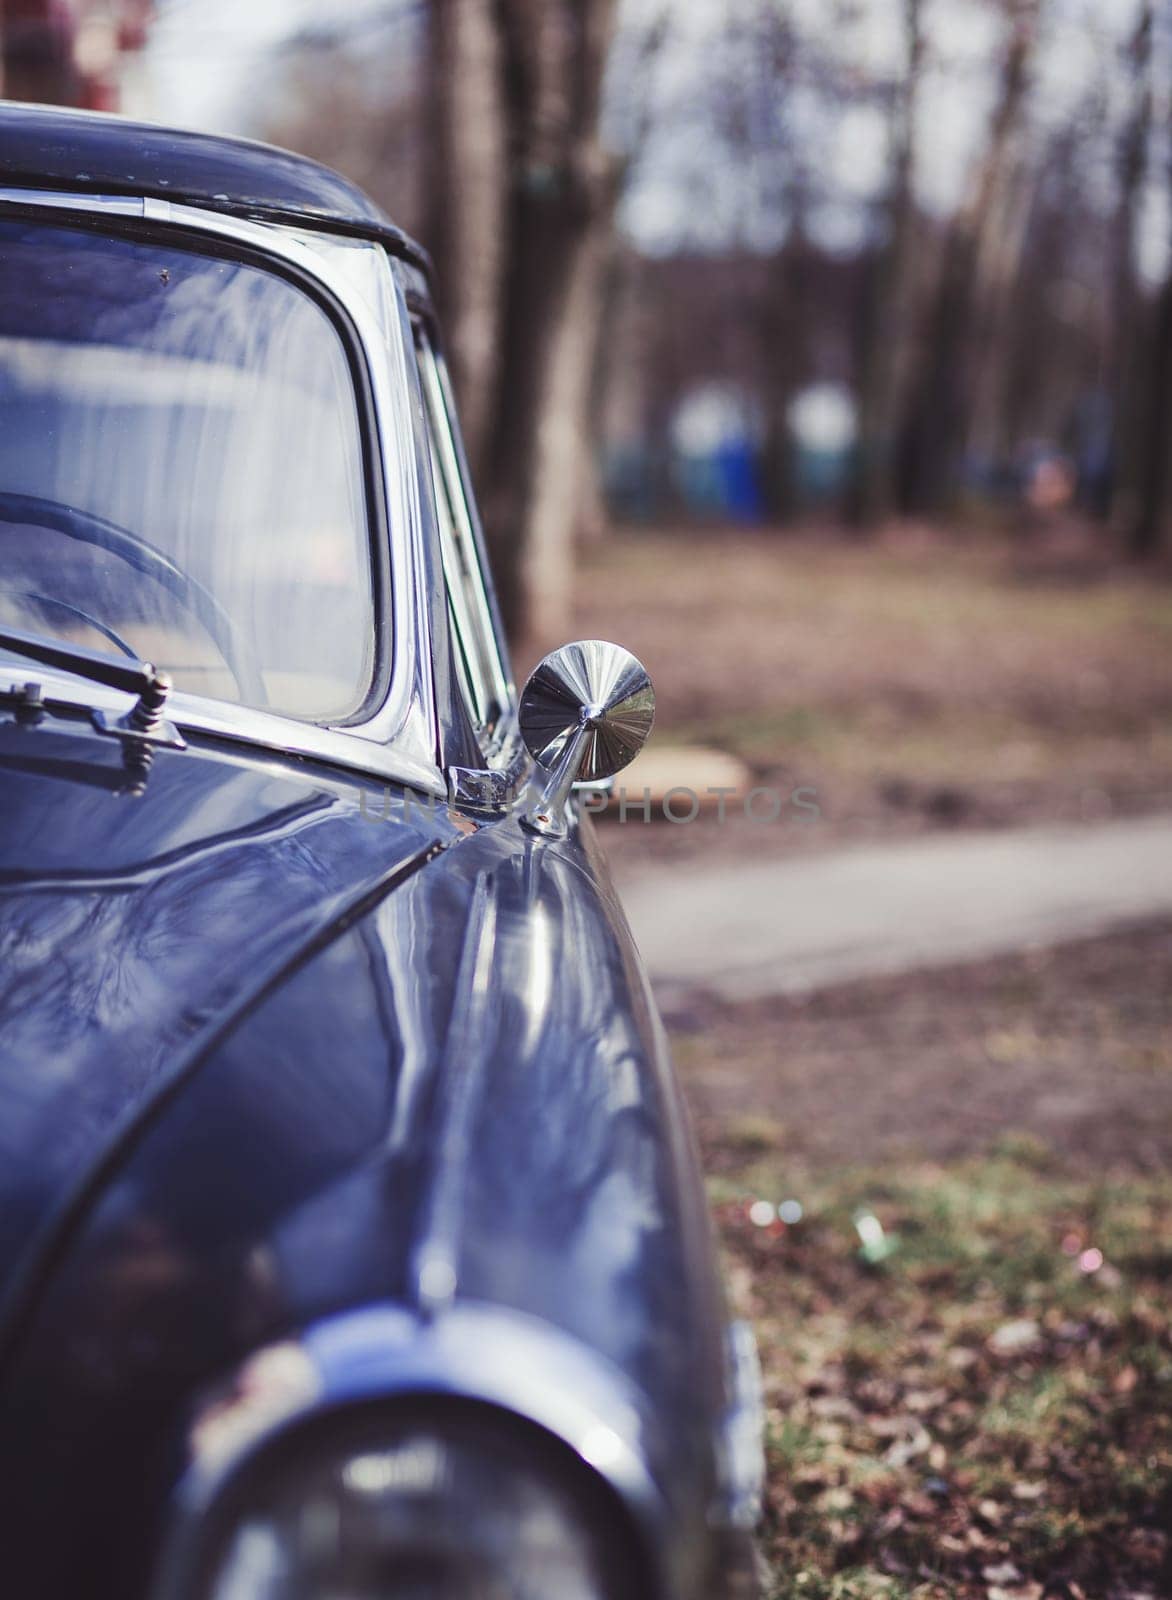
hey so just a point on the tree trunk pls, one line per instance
(594, 516)
(885, 314)
(996, 388)
(938, 421)
(558, 214)
(785, 344)
(468, 188)
(1146, 529)
(560, 474)
(1128, 368)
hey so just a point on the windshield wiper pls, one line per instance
(144, 722)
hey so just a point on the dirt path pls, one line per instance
(749, 930)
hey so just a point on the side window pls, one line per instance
(478, 657)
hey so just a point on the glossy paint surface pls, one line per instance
(290, 1057)
(42, 147)
(298, 1068)
(134, 928)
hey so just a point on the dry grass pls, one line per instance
(941, 681)
(976, 1415)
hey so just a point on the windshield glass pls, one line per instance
(181, 470)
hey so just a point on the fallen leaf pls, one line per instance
(832, 1405)
(960, 1357)
(1015, 1338)
(919, 1505)
(1001, 1572)
(1028, 1491)
(920, 1401)
(891, 1427)
(905, 1450)
(836, 1500)
(1148, 1545)
(1073, 1333)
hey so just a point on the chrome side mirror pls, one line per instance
(585, 713)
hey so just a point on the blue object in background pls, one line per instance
(740, 481)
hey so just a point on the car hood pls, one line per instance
(135, 928)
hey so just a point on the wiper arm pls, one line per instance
(144, 721)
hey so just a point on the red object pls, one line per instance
(38, 40)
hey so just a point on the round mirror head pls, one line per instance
(594, 685)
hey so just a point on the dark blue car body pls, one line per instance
(294, 1052)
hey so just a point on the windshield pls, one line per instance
(181, 470)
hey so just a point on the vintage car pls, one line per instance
(351, 1237)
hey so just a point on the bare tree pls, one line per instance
(1041, 330)
(938, 420)
(557, 217)
(787, 337)
(477, 121)
(887, 307)
(628, 90)
(467, 192)
(489, 144)
(1143, 338)
(348, 93)
(1154, 478)
(769, 59)
(1126, 296)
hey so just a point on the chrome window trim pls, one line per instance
(471, 511)
(399, 740)
(472, 607)
(494, 783)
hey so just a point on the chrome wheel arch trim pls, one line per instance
(486, 1354)
(399, 741)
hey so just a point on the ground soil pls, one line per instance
(917, 682)
(1071, 1047)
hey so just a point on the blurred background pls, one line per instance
(739, 262)
(820, 351)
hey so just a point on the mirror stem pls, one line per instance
(547, 812)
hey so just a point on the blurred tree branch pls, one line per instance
(887, 307)
(937, 423)
(1145, 527)
(761, 258)
(1143, 349)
